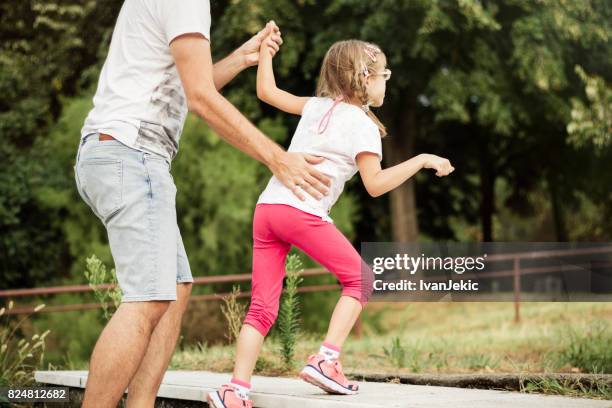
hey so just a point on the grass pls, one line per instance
(19, 357)
(597, 389)
(456, 338)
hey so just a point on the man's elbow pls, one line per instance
(200, 102)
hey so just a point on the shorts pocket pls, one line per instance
(102, 183)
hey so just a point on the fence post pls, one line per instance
(517, 290)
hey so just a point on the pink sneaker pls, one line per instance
(327, 375)
(226, 397)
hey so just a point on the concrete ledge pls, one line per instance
(188, 389)
(509, 381)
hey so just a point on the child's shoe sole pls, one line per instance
(314, 377)
(214, 401)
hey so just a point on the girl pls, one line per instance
(338, 125)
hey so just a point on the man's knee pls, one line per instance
(183, 292)
(184, 289)
(152, 311)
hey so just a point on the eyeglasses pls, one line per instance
(386, 74)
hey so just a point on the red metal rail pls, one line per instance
(515, 272)
(203, 280)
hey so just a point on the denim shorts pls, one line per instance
(133, 193)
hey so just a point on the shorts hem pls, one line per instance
(148, 298)
(257, 326)
(357, 296)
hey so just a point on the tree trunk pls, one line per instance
(487, 190)
(400, 147)
(557, 210)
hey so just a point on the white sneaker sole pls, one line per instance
(214, 401)
(314, 377)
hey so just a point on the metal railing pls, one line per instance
(516, 272)
(204, 280)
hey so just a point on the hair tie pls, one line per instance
(371, 52)
(328, 114)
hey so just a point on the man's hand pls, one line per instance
(270, 35)
(246, 55)
(296, 172)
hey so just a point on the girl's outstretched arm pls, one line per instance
(266, 86)
(378, 181)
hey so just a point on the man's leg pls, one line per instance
(119, 351)
(133, 194)
(143, 388)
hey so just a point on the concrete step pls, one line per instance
(275, 392)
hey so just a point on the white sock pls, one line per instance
(241, 390)
(329, 351)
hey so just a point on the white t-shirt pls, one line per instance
(349, 132)
(140, 99)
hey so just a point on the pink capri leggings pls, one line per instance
(276, 227)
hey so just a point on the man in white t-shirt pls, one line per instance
(158, 68)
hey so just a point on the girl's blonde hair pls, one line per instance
(343, 72)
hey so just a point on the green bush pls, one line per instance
(109, 298)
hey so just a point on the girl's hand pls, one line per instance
(268, 47)
(269, 37)
(442, 166)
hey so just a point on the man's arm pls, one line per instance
(191, 54)
(247, 55)
(227, 69)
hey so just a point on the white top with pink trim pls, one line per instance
(338, 138)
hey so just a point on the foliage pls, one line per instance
(589, 350)
(592, 122)
(234, 313)
(109, 297)
(515, 93)
(396, 353)
(19, 357)
(289, 314)
(46, 47)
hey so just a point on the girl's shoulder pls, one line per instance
(358, 117)
(350, 116)
(322, 103)
(318, 101)
(317, 106)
